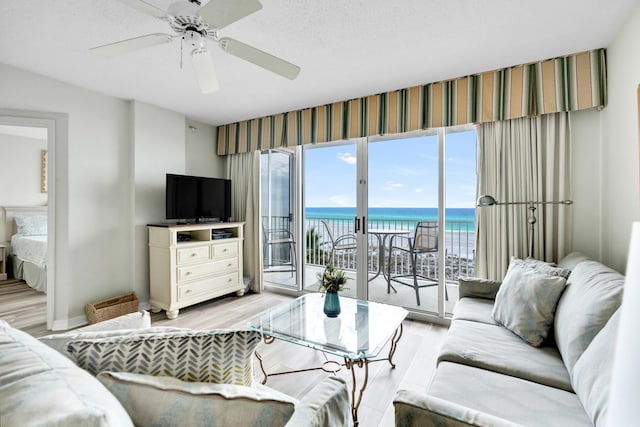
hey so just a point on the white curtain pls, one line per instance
(520, 160)
(244, 172)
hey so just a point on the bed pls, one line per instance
(25, 228)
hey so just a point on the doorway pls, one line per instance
(54, 126)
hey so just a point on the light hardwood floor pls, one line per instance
(415, 356)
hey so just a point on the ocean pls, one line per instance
(459, 225)
(403, 215)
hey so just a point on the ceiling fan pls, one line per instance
(194, 25)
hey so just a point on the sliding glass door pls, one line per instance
(280, 245)
(396, 214)
(403, 193)
(330, 202)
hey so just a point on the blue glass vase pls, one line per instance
(331, 304)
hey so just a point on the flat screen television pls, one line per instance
(196, 198)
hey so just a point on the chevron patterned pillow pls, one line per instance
(222, 356)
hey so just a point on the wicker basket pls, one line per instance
(112, 307)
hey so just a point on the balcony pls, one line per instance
(459, 247)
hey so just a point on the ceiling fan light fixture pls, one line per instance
(205, 70)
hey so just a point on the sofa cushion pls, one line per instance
(526, 302)
(40, 387)
(475, 309)
(592, 372)
(326, 404)
(514, 399)
(198, 356)
(593, 294)
(497, 349)
(476, 287)
(570, 261)
(154, 401)
(59, 341)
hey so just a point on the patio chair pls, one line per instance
(278, 238)
(346, 242)
(424, 242)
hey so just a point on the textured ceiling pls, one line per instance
(345, 48)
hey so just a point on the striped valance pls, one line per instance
(568, 83)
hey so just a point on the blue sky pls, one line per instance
(402, 173)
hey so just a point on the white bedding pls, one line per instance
(29, 260)
(30, 248)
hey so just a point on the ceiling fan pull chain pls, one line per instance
(181, 43)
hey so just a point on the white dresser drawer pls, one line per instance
(193, 290)
(196, 271)
(192, 254)
(224, 250)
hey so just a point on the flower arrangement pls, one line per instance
(332, 279)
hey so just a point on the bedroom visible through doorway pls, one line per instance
(24, 208)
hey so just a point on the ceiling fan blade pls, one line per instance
(145, 7)
(130, 45)
(260, 58)
(205, 70)
(220, 13)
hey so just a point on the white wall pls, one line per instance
(20, 171)
(109, 183)
(606, 160)
(158, 149)
(202, 159)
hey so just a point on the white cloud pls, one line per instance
(348, 158)
(419, 190)
(391, 185)
(341, 200)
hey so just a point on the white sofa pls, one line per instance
(487, 375)
(40, 385)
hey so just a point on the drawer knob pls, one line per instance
(187, 273)
(188, 291)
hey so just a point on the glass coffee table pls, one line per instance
(357, 335)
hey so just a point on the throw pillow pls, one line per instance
(542, 266)
(526, 302)
(59, 341)
(35, 225)
(137, 320)
(196, 356)
(154, 401)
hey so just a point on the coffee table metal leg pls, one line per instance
(264, 373)
(394, 344)
(355, 403)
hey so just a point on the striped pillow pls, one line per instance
(221, 357)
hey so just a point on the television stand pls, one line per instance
(190, 263)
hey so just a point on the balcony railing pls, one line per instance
(459, 247)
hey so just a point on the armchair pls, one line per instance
(150, 376)
(278, 238)
(346, 242)
(423, 242)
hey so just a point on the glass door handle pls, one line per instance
(356, 225)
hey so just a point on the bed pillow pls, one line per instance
(526, 302)
(154, 401)
(35, 225)
(222, 356)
